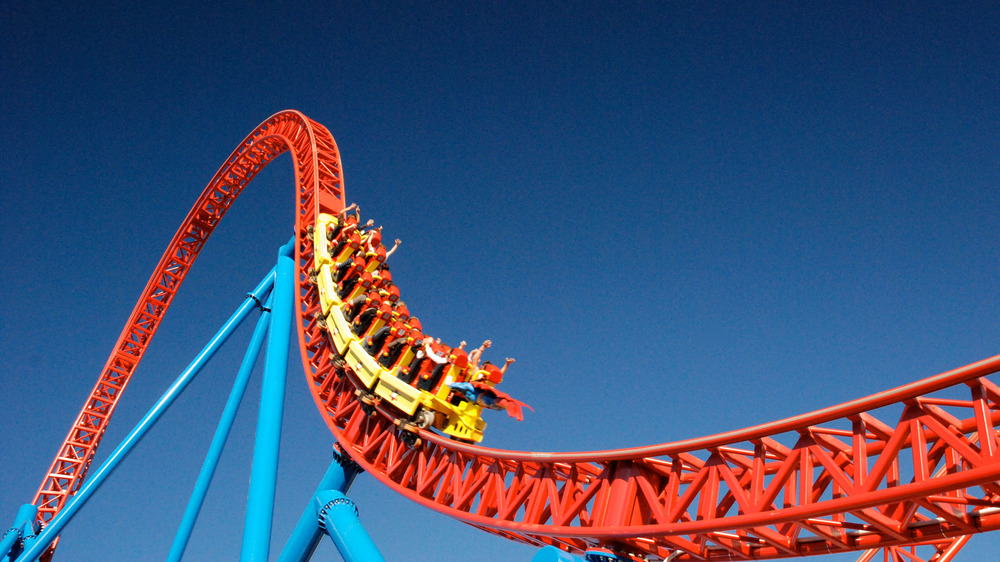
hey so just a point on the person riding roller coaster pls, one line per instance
(382, 276)
(481, 391)
(355, 286)
(380, 340)
(394, 351)
(390, 293)
(360, 303)
(377, 316)
(434, 363)
(344, 220)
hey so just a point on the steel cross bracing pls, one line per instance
(846, 481)
(317, 172)
(916, 465)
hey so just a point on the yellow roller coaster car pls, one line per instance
(415, 375)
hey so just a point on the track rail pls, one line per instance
(913, 465)
(317, 176)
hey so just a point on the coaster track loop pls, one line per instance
(914, 465)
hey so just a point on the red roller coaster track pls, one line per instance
(915, 465)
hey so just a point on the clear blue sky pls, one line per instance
(679, 219)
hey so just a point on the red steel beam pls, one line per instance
(799, 486)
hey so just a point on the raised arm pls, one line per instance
(394, 246)
(503, 370)
(476, 354)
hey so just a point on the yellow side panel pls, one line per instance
(449, 377)
(321, 246)
(327, 289)
(340, 329)
(402, 395)
(364, 366)
(465, 422)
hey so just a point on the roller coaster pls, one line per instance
(905, 474)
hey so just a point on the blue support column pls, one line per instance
(553, 554)
(307, 534)
(339, 517)
(221, 435)
(264, 470)
(55, 526)
(24, 528)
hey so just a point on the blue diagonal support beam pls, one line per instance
(36, 547)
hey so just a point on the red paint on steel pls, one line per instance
(317, 175)
(839, 479)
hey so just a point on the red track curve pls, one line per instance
(838, 479)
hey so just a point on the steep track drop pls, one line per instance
(840, 479)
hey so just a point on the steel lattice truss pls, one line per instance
(317, 169)
(914, 467)
(833, 481)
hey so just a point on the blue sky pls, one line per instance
(680, 219)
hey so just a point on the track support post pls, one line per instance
(308, 533)
(553, 554)
(264, 468)
(221, 436)
(338, 516)
(23, 530)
